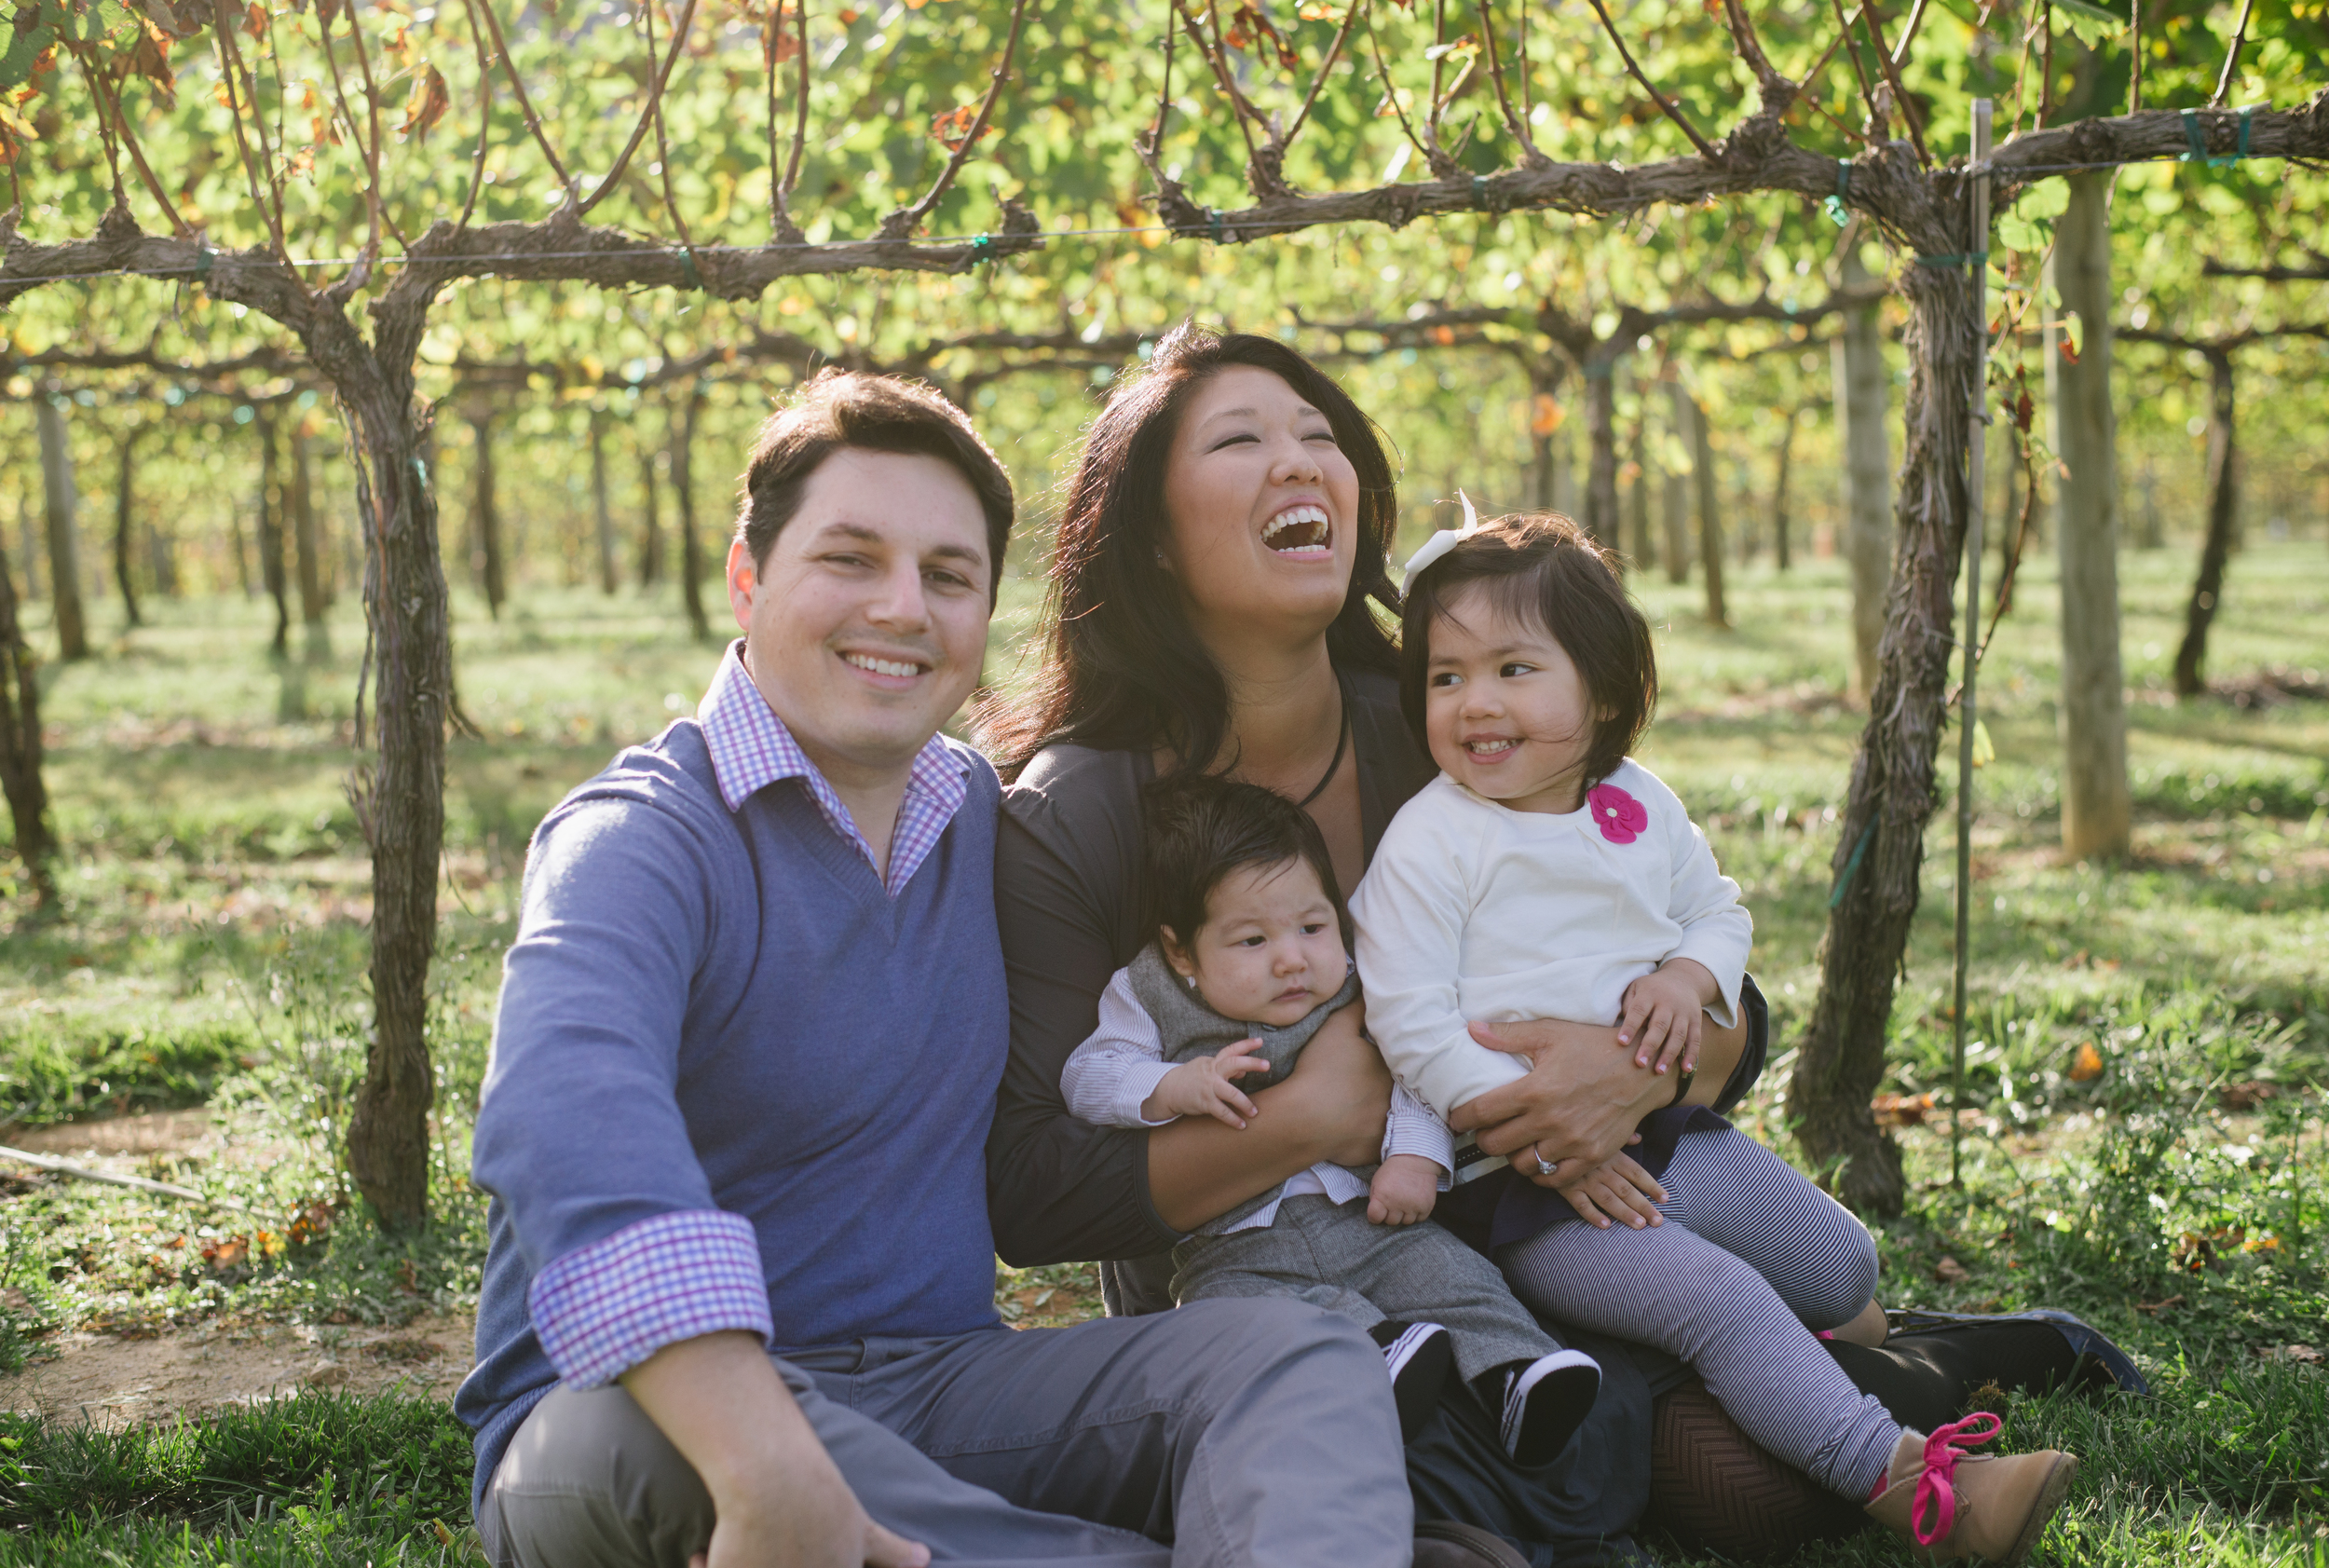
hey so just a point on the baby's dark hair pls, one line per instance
(1541, 567)
(1201, 827)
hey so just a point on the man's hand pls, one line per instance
(1203, 1087)
(1617, 1189)
(1403, 1191)
(779, 1500)
(1580, 1101)
(1665, 1015)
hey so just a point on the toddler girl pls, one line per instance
(1250, 959)
(1544, 874)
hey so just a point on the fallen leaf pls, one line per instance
(1949, 1272)
(2086, 1063)
(1900, 1110)
(2157, 1307)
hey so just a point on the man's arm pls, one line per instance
(776, 1493)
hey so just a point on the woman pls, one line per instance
(1216, 576)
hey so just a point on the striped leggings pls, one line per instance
(1752, 1258)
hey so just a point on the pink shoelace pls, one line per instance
(1933, 1512)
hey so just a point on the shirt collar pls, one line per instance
(751, 748)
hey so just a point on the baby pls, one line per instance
(1545, 874)
(1250, 959)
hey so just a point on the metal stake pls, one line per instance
(1977, 427)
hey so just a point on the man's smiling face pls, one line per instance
(866, 625)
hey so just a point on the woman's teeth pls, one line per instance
(881, 666)
(1488, 748)
(1299, 530)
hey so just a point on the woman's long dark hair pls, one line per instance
(1121, 666)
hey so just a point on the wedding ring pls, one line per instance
(1543, 1165)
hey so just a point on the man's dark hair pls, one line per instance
(843, 408)
(1542, 569)
(1202, 826)
(1122, 668)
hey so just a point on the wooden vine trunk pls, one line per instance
(20, 747)
(1840, 1058)
(2191, 657)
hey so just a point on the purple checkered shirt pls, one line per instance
(604, 1308)
(751, 749)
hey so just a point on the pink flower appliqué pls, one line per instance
(1620, 817)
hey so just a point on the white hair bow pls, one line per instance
(1444, 540)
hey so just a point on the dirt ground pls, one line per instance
(113, 1381)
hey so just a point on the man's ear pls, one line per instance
(741, 579)
(1175, 953)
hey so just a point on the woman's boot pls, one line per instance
(1952, 1505)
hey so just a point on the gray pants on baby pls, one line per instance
(1327, 1254)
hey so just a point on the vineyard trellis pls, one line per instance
(1917, 203)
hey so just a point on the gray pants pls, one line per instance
(1327, 1254)
(1240, 1432)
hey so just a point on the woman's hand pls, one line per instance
(1580, 1101)
(1618, 1189)
(1330, 1108)
(1345, 1090)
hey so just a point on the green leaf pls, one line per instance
(2091, 23)
(16, 66)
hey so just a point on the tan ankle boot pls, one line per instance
(1952, 1505)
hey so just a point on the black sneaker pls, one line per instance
(1419, 1357)
(1545, 1402)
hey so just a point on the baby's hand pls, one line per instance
(1618, 1189)
(1403, 1191)
(1665, 1016)
(1203, 1087)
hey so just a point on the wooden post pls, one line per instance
(2098, 808)
(1968, 715)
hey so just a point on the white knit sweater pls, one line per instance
(1472, 912)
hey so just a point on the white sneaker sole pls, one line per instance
(1533, 1376)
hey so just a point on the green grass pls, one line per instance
(2118, 1155)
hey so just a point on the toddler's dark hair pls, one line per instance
(1541, 567)
(1201, 827)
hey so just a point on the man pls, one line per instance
(739, 1305)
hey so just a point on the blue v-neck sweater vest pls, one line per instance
(714, 1010)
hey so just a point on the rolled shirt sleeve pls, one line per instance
(602, 1309)
(1118, 1067)
(1412, 1129)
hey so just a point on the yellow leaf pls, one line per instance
(1984, 753)
(2086, 1063)
(430, 100)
